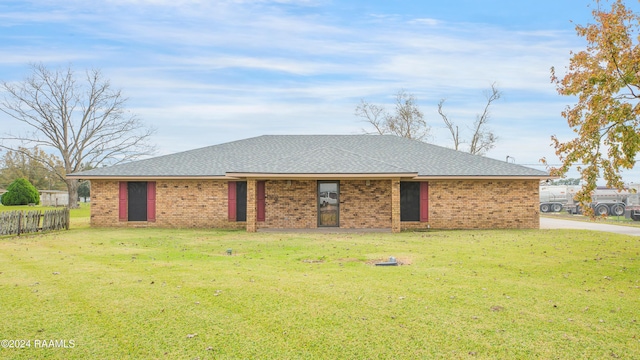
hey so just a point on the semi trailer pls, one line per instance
(604, 201)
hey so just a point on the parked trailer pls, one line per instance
(632, 210)
(604, 201)
(553, 198)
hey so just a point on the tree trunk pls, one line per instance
(72, 186)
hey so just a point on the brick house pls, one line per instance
(312, 181)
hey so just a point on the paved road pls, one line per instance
(548, 223)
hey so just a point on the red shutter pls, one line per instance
(151, 201)
(424, 201)
(261, 200)
(122, 201)
(232, 201)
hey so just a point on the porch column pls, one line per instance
(395, 205)
(252, 193)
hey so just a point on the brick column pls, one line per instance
(395, 205)
(252, 193)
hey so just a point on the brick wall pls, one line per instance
(104, 203)
(290, 204)
(365, 206)
(482, 204)
(453, 204)
(294, 204)
(193, 203)
(179, 203)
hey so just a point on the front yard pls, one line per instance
(151, 293)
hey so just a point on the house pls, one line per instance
(312, 181)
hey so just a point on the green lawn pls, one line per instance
(176, 294)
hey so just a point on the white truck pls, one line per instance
(553, 198)
(632, 210)
(604, 201)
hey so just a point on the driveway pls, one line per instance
(548, 223)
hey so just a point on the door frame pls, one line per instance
(337, 182)
(137, 205)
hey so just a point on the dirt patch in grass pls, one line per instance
(400, 261)
(313, 261)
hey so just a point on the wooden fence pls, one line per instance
(22, 222)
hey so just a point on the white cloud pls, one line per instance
(206, 72)
(426, 21)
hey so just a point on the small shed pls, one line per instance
(54, 198)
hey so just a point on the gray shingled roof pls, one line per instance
(317, 154)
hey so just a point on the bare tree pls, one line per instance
(482, 139)
(455, 131)
(84, 119)
(406, 121)
(374, 115)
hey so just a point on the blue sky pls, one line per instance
(207, 72)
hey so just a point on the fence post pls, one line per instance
(19, 223)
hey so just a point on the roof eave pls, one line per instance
(484, 177)
(147, 177)
(293, 176)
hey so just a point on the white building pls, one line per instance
(54, 198)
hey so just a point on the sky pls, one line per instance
(209, 72)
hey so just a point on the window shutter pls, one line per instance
(424, 201)
(122, 201)
(232, 200)
(151, 201)
(261, 201)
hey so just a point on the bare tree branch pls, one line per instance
(85, 121)
(374, 115)
(453, 129)
(482, 139)
(406, 121)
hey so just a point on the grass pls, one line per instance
(153, 293)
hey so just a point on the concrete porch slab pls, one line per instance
(327, 230)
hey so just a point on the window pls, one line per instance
(137, 201)
(237, 200)
(241, 201)
(262, 195)
(329, 203)
(414, 201)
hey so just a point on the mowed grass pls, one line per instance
(176, 294)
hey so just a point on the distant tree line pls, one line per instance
(568, 181)
(25, 164)
(22, 164)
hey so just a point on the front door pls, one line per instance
(137, 196)
(329, 203)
